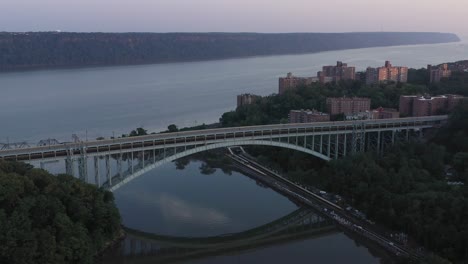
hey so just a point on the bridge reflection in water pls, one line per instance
(142, 247)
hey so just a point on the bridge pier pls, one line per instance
(378, 142)
(108, 170)
(359, 138)
(130, 162)
(83, 165)
(313, 142)
(69, 166)
(321, 144)
(119, 165)
(97, 178)
(345, 144)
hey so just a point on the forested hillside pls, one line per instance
(56, 49)
(52, 219)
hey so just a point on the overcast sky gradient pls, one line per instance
(234, 15)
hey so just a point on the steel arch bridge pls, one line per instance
(325, 140)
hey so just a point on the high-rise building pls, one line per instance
(371, 75)
(307, 116)
(437, 73)
(291, 82)
(336, 73)
(347, 106)
(387, 73)
(246, 99)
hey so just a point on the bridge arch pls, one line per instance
(188, 152)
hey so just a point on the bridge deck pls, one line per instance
(210, 136)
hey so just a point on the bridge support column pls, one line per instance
(143, 159)
(108, 171)
(83, 166)
(363, 138)
(313, 142)
(378, 142)
(97, 176)
(130, 165)
(359, 138)
(119, 165)
(321, 143)
(345, 143)
(69, 166)
(336, 146)
(329, 146)
(132, 247)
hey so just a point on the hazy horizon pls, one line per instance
(261, 16)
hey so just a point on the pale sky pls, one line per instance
(234, 15)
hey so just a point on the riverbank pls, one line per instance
(65, 49)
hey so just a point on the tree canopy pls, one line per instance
(52, 219)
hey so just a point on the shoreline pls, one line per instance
(39, 68)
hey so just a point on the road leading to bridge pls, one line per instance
(327, 208)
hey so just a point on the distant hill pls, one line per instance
(53, 49)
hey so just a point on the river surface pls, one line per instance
(92, 102)
(101, 101)
(188, 203)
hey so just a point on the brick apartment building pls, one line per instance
(307, 116)
(336, 73)
(385, 113)
(291, 82)
(387, 73)
(246, 99)
(347, 106)
(413, 105)
(438, 72)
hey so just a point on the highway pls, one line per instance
(327, 208)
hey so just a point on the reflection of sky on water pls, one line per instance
(330, 249)
(173, 208)
(186, 202)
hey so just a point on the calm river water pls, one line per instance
(96, 102)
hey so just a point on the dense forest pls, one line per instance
(56, 49)
(52, 219)
(407, 189)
